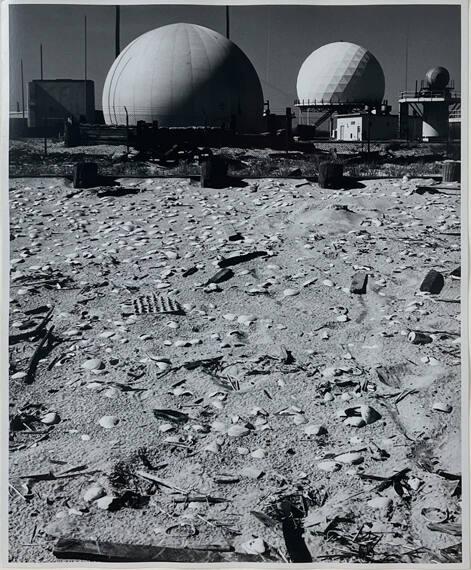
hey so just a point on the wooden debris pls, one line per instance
(98, 551)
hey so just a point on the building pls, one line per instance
(435, 102)
(354, 126)
(184, 75)
(50, 101)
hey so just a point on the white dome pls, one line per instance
(341, 72)
(183, 75)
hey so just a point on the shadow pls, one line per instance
(347, 183)
(222, 182)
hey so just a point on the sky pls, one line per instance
(277, 39)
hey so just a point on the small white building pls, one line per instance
(354, 127)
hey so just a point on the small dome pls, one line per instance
(341, 72)
(437, 77)
(183, 75)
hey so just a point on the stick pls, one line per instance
(113, 552)
(24, 335)
(159, 481)
(37, 356)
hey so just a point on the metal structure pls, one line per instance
(184, 75)
(337, 78)
(435, 102)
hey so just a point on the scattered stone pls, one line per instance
(314, 429)
(442, 407)
(108, 422)
(51, 418)
(433, 282)
(93, 493)
(359, 282)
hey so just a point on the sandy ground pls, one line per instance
(276, 419)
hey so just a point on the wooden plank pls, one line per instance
(96, 551)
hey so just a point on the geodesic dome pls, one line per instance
(341, 72)
(437, 77)
(183, 75)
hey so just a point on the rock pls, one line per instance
(212, 447)
(106, 502)
(359, 282)
(258, 453)
(251, 472)
(433, 282)
(419, 338)
(314, 429)
(351, 457)
(93, 364)
(255, 546)
(329, 466)
(355, 421)
(290, 292)
(237, 431)
(369, 414)
(93, 493)
(442, 407)
(51, 418)
(108, 422)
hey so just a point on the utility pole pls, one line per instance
(117, 30)
(85, 68)
(22, 90)
(41, 60)
(228, 31)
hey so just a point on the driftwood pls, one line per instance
(32, 332)
(114, 552)
(36, 357)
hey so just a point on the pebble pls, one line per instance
(329, 466)
(290, 292)
(93, 364)
(351, 457)
(258, 453)
(93, 493)
(255, 546)
(442, 407)
(105, 502)
(108, 422)
(314, 429)
(237, 431)
(51, 418)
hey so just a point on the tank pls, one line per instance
(341, 72)
(437, 78)
(183, 75)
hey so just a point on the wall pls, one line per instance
(52, 100)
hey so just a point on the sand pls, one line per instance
(295, 347)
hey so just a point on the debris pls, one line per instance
(108, 422)
(221, 276)
(254, 546)
(442, 407)
(146, 304)
(93, 550)
(171, 416)
(93, 493)
(359, 282)
(51, 418)
(236, 258)
(433, 282)
(419, 338)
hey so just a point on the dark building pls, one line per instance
(50, 101)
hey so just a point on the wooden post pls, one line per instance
(330, 174)
(85, 175)
(22, 90)
(117, 30)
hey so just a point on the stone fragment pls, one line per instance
(433, 282)
(359, 282)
